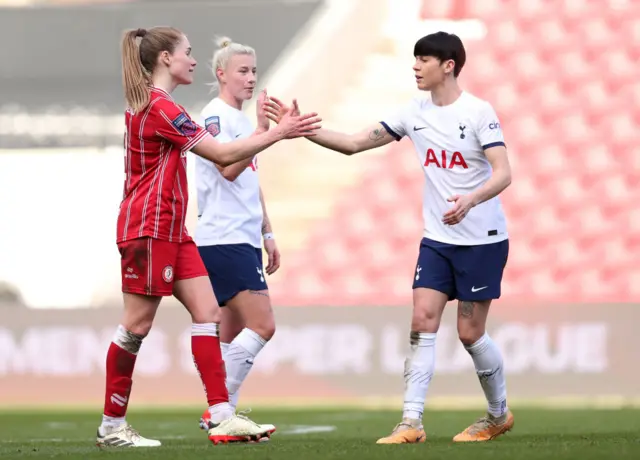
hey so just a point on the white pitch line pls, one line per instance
(61, 425)
(306, 429)
(38, 440)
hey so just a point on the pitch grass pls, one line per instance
(331, 434)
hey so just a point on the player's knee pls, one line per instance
(205, 315)
(139, 323)
(425, 319)
(469, 333)
(265, 328)
(141, 327)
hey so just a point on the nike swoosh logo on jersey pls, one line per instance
(415, 128)
(474, 289)
(238, 135)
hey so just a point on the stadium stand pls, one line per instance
(569, 112)
(37, 107)
(561, 74)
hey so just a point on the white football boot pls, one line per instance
(267, 428)
(123, 436)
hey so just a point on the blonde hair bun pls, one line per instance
(223, 42)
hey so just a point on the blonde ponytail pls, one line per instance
(135, 79)
(139, 61)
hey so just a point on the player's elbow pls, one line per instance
(224, 160)
(505, 175)
(214, 152)
(229, 175)
(352, 147)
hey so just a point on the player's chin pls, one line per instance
(186, 79)
(422, 85)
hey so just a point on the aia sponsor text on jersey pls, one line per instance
(444, 159)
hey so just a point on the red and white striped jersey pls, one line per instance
(157, 140)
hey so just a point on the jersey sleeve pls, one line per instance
(174, 124)
(216, 125)
(488, 128)
(396, 123)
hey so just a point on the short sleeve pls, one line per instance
(216, 125)
(488, 128)
(175, 125)
(395, 124)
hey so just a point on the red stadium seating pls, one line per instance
(564, 78)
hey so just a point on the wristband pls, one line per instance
(268, 236)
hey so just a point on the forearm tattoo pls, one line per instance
(266, 226)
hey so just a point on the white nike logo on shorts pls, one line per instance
(474, 289)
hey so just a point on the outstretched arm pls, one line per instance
(225, 154)
(350, 144)
(347, 144)
(232, 171)
(228, 153)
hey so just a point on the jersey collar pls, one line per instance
(161, 91)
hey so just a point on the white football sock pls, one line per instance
(109, 423)
(233, 398)
(418, 370)
(220, 412)
(489, 367)
(239, 360)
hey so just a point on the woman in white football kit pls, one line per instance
(462, 256)
(232, 220)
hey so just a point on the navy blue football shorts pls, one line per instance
(233, 268)
(468, 273)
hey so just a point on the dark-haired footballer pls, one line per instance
(465, 244)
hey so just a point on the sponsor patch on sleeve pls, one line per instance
(212, 124)
(184, 124)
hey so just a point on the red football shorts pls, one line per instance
(150, 266)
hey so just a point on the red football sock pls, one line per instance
(121, 359)
(207, 356)
(120, 365)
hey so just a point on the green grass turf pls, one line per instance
(350, 434)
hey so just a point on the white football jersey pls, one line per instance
(450, 142)
(228, 212)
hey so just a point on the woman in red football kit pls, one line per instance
(159, 257)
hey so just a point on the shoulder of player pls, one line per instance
(217, 117)
(475, 103)
(414, 105)
(477, 111)
(217, 108)
(419, 102)
(161, 103)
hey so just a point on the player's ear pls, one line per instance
(449, 66)
(165, 58)
(219, 74)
